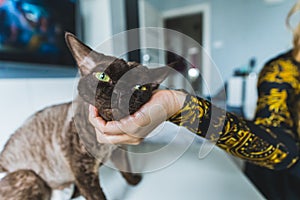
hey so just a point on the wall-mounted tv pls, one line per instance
(32, 31)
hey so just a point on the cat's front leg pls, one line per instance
(84, 167)
(85, 170)
(121, 161)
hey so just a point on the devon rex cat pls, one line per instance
(57, 146)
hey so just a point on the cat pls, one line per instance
(57, 146)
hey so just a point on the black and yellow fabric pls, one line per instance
(271, 140)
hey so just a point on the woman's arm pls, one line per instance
(267, 141)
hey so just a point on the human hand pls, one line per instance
(134, 128)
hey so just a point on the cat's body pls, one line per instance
(57, 146)
(53, 150)
(41, 143)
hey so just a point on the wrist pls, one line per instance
(177, 98)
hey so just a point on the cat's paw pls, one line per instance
(133, 179)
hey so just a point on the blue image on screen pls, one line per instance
(32, 28)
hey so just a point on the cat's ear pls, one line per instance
(158, 75)
(81, 53)
(86, 58)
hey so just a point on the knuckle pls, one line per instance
(99, 139)
(136, 142)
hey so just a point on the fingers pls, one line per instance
(117, 139)
(110, 132)
(93, 111)
(100, 124)
(95, 119)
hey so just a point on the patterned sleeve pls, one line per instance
(269, 140)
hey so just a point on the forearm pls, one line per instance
(237, 136)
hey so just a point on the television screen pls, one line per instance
(32, 31)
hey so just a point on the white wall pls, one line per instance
(20, 98)
(96, 21)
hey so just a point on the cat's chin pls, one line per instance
(113, 114)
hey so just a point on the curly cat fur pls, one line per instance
(53, 150)
(17, 183)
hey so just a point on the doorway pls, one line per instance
(190, 25)
(152, 15)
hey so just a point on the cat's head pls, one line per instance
(115, 87)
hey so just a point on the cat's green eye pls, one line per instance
(140, 87)
(101, 76)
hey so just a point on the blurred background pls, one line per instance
(236, 37)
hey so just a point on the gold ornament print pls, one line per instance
(258, 141)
